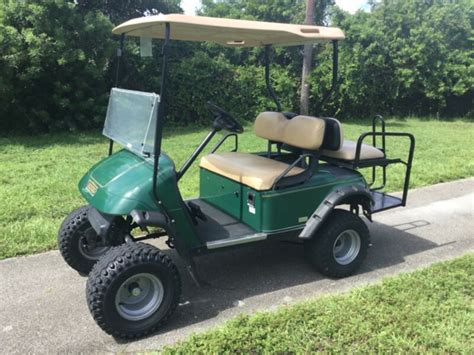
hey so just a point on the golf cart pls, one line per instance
(293, 190)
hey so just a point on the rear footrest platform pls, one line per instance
(383, 201)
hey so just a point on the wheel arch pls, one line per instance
(354, 196)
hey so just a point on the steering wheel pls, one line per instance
(224, 120)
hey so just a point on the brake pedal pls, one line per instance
(196, 211)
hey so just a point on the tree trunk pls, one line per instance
(307, 61)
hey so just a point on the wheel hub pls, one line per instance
(139, 296)
(134, 289)
(346, 247)
(92, 246)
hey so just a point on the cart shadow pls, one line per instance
(239, 274)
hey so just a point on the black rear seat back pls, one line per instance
(333, 134)
(290, 115)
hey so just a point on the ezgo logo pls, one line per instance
(92, 187)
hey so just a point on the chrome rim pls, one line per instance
(91, 246)
(346, 247)
(139, 297)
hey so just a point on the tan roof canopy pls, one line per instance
(227, 32)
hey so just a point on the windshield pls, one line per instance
(131, 120)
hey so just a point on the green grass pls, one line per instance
(431, 310)
(39, 175)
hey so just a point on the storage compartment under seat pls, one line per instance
(273, 211)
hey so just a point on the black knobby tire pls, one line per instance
(110, 274)
(71, 241)
(321, 251)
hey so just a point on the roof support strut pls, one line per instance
(270, 90)
(160, 112)
(117, 78)
(335, 80)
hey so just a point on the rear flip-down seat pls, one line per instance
(348, 152)
(335, 147)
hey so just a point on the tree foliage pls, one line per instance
(406, 57)
(119, 11)
(402, 57)
(54, 62)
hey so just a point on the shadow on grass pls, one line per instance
(249, 271)
(390, 123)
(401, 122)
(49, 139)
(84, 138)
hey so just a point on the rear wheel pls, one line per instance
(340, 246)
(133, 290)
(79, 244)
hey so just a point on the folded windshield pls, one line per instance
(131, 120)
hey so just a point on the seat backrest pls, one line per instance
(303, 132)
(333, 134)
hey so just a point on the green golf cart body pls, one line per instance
(292, 190)
(269, 213)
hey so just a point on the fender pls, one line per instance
(102, 222)
(357, 194)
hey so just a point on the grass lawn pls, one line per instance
(431, 310)
(39, 175)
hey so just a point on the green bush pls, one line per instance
(240, 90)
(54, 63)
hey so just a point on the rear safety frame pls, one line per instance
(382, 201)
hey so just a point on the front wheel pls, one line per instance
(340, 246)
(133, 290)
(79, 244)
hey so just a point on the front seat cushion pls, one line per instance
(252, 170)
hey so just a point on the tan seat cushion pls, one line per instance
(348, 152)
(304, 132)
(252, 170)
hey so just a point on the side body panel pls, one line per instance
(273, 211)
(222, 193)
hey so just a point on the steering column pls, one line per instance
(222, 121)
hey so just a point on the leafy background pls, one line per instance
(411, 57)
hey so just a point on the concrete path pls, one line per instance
(43, 308)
